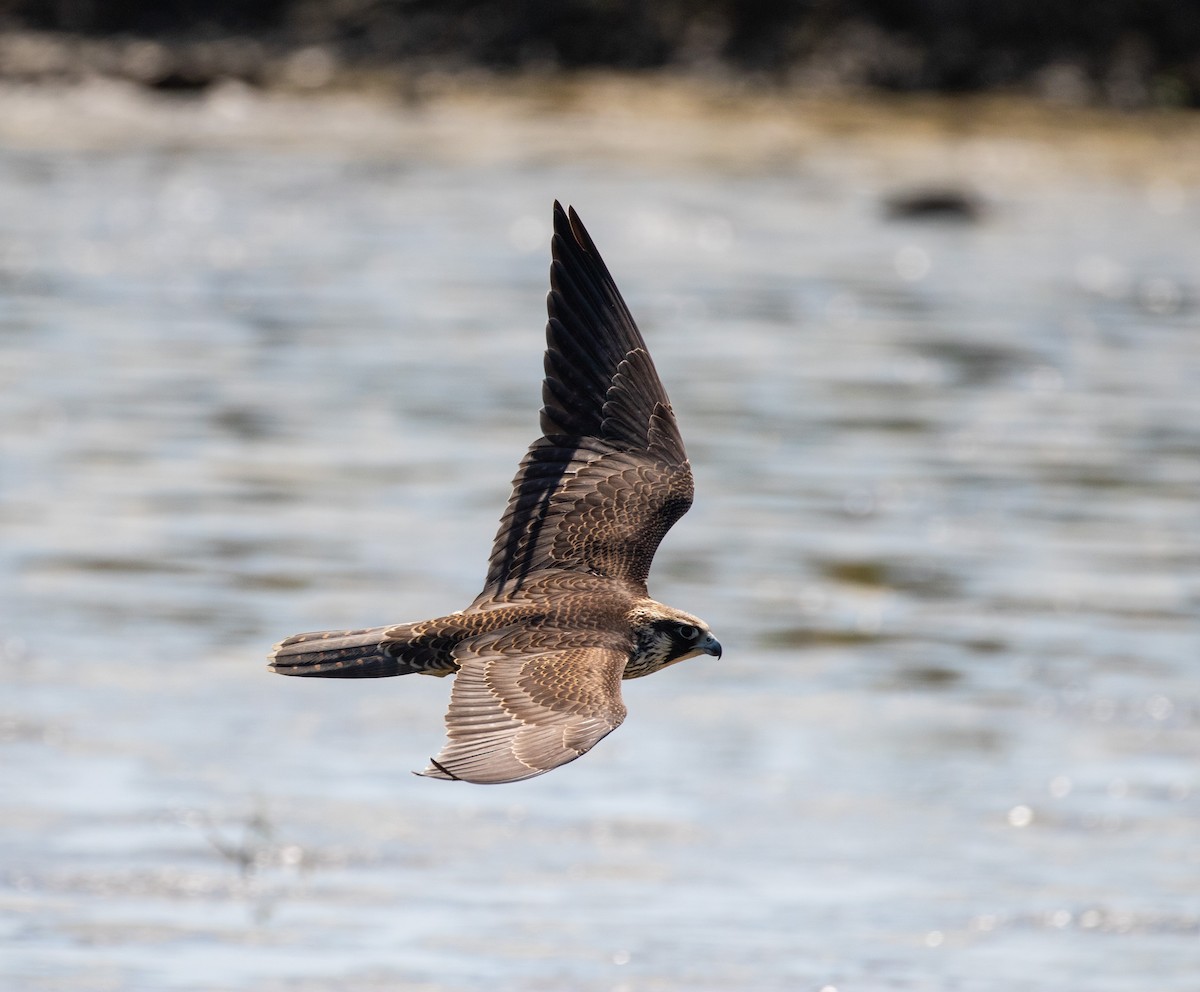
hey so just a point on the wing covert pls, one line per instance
(526, 701)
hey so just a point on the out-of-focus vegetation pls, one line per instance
(1126, 53)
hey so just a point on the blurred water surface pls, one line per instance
(268, 366)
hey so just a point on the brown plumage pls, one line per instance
(564, 614)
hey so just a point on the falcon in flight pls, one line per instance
(564, 615)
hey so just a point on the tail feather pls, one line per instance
(341, 654)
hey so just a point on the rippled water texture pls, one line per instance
(268, 366)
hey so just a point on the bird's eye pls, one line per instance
(688, 632)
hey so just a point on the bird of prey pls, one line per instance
(564, 615)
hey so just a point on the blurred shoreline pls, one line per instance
(652, 120)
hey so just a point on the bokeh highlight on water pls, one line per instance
(269, 366)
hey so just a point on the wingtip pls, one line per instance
(563, 227)
(578, 231)
(437, 770)
(567, 223)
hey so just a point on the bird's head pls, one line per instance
(664, 636)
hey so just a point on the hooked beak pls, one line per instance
(710, 645)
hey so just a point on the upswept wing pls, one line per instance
(526, 701)
(602, 486)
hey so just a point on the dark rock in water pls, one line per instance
(179, 82)
(934, 203)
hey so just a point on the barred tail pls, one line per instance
(370, 653)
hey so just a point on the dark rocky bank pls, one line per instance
(1124, 53)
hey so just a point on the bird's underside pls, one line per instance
(564, 614)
